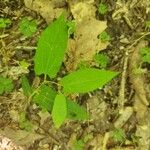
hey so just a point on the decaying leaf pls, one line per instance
(46, 8)
(86, 43)
(20, 137)
(6, 143)
(81, 10)
(144, 133)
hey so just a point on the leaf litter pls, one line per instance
(82, 47)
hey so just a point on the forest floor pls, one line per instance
(119, 112)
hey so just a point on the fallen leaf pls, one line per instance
(46, 8)
(7, 144)
(86, 43)
(20, 137)
(81, 10)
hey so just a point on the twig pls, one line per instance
(106, 137)
(27, 48)
(121, 98)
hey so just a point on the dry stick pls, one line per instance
(106, 138)
(27, 48)
(121, 98)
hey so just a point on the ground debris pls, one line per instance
(20, 137)
(141, 97)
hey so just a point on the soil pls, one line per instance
(119, 112)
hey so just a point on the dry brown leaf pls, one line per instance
(144, 133)
(86, 43)
(20, 137)
(81, 10)
(124, 117)
(7, 144)
(46, 8)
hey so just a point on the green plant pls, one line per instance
(4, 22)
(139, 71)
(24, 123)
(6, 85)
(71, 27)
(118, 135)
(47, 61)
(24, 64)
(145, 53)
(104, 36)
(102, 60)
(26, 86)
(79, 145)
(27, 27)
(83, 65)
(102, 8)
(147, 24)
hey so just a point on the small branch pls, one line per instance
(121, 98)
(105, 140)
(27, 48)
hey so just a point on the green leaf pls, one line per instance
(4, 22)
(72, 26)
(102, 8)
(51, 48)
(6, 85)
(145, 52)
(27, 90)
(59, 112)
(118, 135)
(27, 27)
(75, 111)
(45, 97)
(24, 123)
(83, 65)
(86, 80)
(79, 144)
(104, 37)
(147, 24)
(102, 60)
